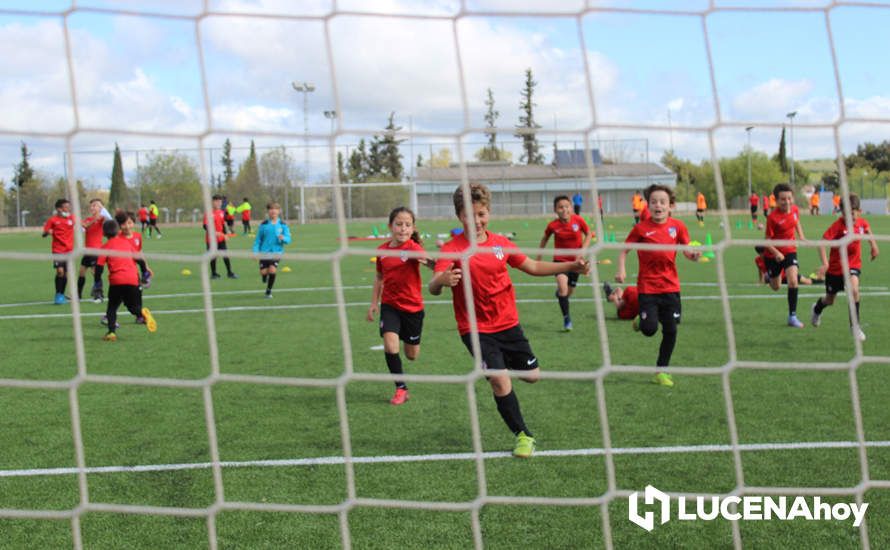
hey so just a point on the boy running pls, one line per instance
(398, 290)
(502, 343)
(143, 217)
(61, 226)
(219, 228)
(754, 201)
(153, 218)
(833, 269)
(271, 237)
(123, 281)
(782, 224)
(569, 231)
(657, 279)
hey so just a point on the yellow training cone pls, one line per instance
(186, 272)
(286, 269)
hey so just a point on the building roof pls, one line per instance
(489, 171)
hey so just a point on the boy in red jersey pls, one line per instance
(834, 269)
(127, 223)
(501, 340)
(219, 227)
(123, 281)
(397, 289)
(143, 218)
(569, 231)
(93, 239)
(61, 227)
(754, 201)
(782, 224)
(657, 280)
(153, 218)
(626, 300)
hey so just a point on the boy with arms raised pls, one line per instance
(92, 239)
(569, 231)
(782, 224)
(502, 343)
(833, 269)
(658, 284)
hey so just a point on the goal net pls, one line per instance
(243, 423)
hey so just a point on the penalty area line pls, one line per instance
(396, 459)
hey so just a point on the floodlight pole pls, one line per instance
(791, 116)
(305, 88)
(748, 130)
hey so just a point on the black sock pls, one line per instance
(228, 265)
(81, 280)
(564, 306)
(213, 266)
(60, 284)
(508, 406)
(272, 282)
(668, 341)
(857, 312)
(264, 277)
(820, 306)
(394, 364)
(792, 301)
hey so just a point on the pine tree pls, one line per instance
(23, 174)
(227, 163)
(117, 197)
(531, 154)
(390, 157)
(375, 165)
(341, 168)
(780, 157)
(490, 152)
(358, 163)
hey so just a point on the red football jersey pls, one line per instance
(121, 271)
(755, 200)
(143, 214)
(567, 235)
(402, 287)
(631, 306)
(219, 224)
(781, 226)
(62, 230)
(644, 212)
(764, 202)
(245, 215)
(658, 268)
(494, 298)
(93, 237)
(838, 230)
(136, 240)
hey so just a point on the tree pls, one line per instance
(247, 182)
(374, 163)
(278, 170)
(23, 174)
(419, 161)
(358, 163)
(490, 152)
(527, 125)
(227, 163)
(441, 158)
(870, 155)
(341, 167)
(391, 167)
(780, 157)
(172, 179)
(118, 194)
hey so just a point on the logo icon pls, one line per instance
(498, 252)
(672, 231)
(403, 256)
(647, 520)
(575, 227)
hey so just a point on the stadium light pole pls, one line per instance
(305, 88)
(791, 116)
(748, 130)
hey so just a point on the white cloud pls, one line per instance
(770, 100)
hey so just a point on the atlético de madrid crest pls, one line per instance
(403, 256)
(575, 227)
(672, 231)
(498, 252)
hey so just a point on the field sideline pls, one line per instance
(145, 433)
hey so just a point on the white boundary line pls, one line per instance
(390, 459)
(270, 307)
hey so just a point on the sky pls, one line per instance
(655, 74)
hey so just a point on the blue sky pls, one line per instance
(643, 61)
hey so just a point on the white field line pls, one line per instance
(271, 307)
(389, 459)
(368, 287)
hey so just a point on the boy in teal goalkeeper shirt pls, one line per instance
(271, 237)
